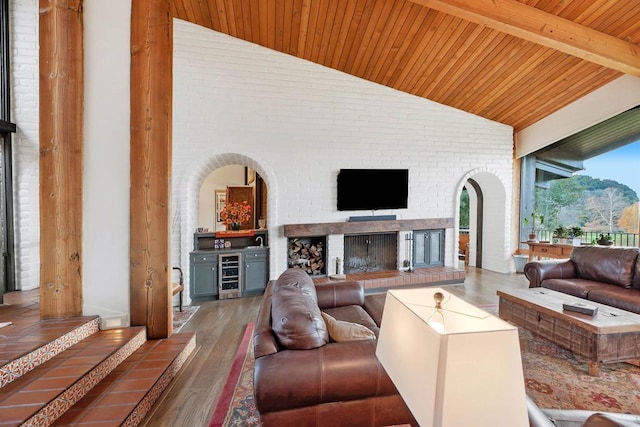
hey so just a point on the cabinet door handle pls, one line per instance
(213, 269)
(247, 265)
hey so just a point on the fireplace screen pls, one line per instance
(370, 252)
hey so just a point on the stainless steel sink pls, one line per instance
(253, 247)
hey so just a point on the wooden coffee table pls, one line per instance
(612, 335)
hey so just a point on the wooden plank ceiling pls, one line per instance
(479, 62)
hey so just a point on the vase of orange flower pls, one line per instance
(233, 214)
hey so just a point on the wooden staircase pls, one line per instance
(68, 372)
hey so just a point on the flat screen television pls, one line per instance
(372, 189)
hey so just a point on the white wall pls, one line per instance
(24, 91)
(496, 223)
(106, 152)
(601, 104)
(107, 27)
(295, 122)
(298, 123)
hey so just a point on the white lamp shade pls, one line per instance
(469, 375)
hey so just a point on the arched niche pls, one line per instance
(186, 203)
(212, 196)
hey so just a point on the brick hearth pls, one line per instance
(381, 280)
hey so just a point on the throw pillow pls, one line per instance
(339, 330)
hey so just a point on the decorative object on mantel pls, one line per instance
(234, 214)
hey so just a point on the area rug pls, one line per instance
(235, 406)
(180, 318)
(554, 379)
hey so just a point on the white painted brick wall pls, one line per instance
(293, 121)
(24, 69)
(298, 124)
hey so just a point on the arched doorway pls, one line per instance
(489, 221)
(475, 226)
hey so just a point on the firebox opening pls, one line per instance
(370, 252)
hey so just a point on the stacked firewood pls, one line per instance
(307, 256)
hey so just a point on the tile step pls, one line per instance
(40, 396)
(127, 394)
(24, 347)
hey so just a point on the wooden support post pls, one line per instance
(151, 115)
(61, 163)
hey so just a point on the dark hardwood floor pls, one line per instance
(191, 398)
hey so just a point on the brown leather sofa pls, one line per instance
(607, 275)
(302, 377)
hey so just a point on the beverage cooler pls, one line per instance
(229, 272)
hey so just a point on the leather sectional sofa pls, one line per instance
(302, 377)
(607, 275)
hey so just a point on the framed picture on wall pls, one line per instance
(221, 202)
(249, 176)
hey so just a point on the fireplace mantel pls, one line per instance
(358, 227)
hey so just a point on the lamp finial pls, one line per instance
(438, 297)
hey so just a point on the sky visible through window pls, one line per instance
(622, 165)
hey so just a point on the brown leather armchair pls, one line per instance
(328, 383)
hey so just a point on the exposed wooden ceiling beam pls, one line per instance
(537, 26)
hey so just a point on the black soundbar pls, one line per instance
(372, 218)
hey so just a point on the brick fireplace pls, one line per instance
(366, 246)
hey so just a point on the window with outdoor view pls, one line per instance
(590, 194)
